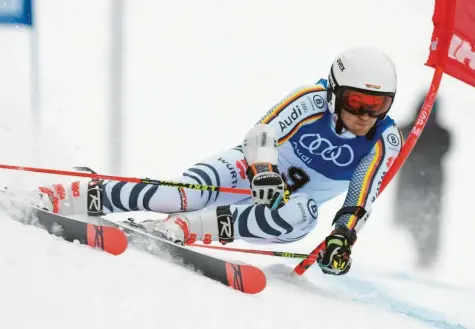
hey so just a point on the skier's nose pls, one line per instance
(365, 116)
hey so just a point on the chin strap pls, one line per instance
(371, 132)
(339, 125)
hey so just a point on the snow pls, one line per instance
(50, 283)
(184, 64)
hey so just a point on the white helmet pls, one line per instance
(362, 80)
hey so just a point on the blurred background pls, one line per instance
(149, 87)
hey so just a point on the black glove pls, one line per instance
(266, 184)
(335, 258)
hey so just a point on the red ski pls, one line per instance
(242, 277)
(107, 238)
(245, 278)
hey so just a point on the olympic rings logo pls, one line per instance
(341, 155)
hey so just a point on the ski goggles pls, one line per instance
(359, 102)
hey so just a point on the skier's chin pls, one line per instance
(360, 129)
(357, 125)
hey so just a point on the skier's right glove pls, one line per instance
(335, 258)
(266, 184)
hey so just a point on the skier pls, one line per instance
(320, 141)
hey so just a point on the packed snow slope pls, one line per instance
(49, 283)
(197, 76)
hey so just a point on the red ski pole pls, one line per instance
(130, 179)
(253, 251)
(406, 150)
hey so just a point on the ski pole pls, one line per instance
(198, 187)
(258, 252)
(310, 260)
(405, 151)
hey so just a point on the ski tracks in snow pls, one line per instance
(48, 282)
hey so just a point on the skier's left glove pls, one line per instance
(335, 258)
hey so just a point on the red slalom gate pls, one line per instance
(452, 51)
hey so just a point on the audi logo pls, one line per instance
(341, 155)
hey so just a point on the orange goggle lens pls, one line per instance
(358, 103)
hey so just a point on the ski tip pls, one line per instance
(107, 238)
(118, 244)
(245, 278)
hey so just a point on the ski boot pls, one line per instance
(202, 225)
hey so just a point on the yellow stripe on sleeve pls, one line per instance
(310, 119)
(279, 108)
(366, 185)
